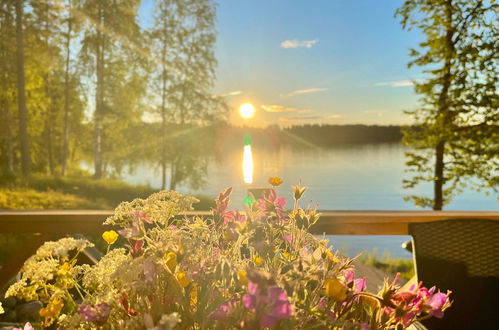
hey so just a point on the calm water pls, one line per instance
(363, 177)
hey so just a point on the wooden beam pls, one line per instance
(330, 223)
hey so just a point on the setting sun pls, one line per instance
(247, 110)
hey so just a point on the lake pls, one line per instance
(353, 177)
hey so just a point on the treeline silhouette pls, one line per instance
(329, 135)
(228, 137)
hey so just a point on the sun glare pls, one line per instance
(247, 110)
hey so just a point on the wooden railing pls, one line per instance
(49, 225)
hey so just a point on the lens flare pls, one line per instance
(247, 164)
(247, 110)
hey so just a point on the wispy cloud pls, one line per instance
(305, 91)
(401, 83)
(311, 118)
(233, 93)
(276, 108)
(298, 43)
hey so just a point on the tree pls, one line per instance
(7, 87)
(183, 39)
(21, 93)
(109, 49)
(455, 138)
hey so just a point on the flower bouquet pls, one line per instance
(229, 270)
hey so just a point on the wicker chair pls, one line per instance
(461, 255)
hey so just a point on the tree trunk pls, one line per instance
(444, 117)
(438, 201)
(49, 121)
(21, 93)
(163, 112)
(99, 99)
(65, 137)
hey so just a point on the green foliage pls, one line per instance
(388, 263)
(455, 140)
(102, 194)
(28, 199)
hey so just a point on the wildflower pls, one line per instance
(298, 192)
(182, 279)
(110, 236)
(436, 303)
(332, 257)
(149, 270)
(141, 216)
(335, 289)
(193, 295)
(98, 314)
(171, 260)
(242, 277)
(275, 181)
(272, 304)
(221, 312)
(52, 310)
(27, 326)
(258, 260)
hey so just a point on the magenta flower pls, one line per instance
(223, 311)
(97, 314)
(27, 326)
(436, 302)
(234, 217)
(222, 202)
(271, 305)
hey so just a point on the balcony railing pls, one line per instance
(49, 225)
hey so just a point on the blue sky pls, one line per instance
(320, 61)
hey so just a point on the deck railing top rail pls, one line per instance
(331, 222)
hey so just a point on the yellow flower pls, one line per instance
(332, 257)
(110, 236)
(194, 295)
(335, 289)
(182, 279)
(275, 181)
(52, 310)
(257, 260)
(171, 260)
(242, 277)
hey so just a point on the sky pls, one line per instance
(313, 61)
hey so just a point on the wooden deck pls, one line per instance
(50, 225)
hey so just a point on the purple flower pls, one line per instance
(97, 314)
(436, 302)
(223, 311)
(27, 326)
(271, 304)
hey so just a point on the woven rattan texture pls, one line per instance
(474, 242)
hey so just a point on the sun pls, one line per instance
(247, 110)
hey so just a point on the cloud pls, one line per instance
(311, 118)
(305, 91)
(276, 108)
(401, 83)
(233, 93)
(298, 43)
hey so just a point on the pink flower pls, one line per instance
(223, 311)
(27, 326)
(222, 202)
(234, 217)
(141, 216)
(271, 305)
(436, 302)
(98, 314)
